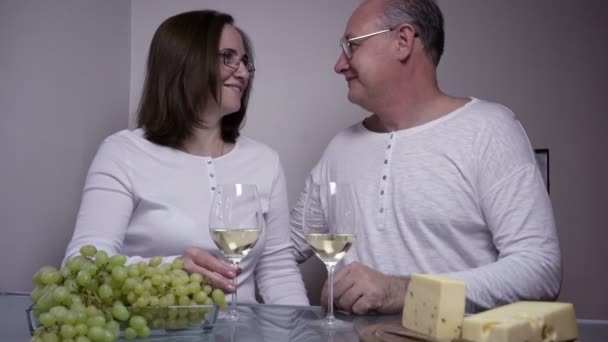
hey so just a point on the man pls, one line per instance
(446, 185)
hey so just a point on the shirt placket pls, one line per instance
(211, 175)
(384, 180)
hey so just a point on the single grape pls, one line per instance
(200, 297)
(88, 251)
(83, 278)
(137, 322)
(101, 258)
(105, 292)
(177, 264)
(117, 260)
(59, 312)
(155, 261)
(96, 321)
(219, 298)
(81, 329)
(96, 333)
(143, 332)
(196, 278)
(70, 317)
(65, 272)
(119, 273)
(67, 331)
(71, 285)
(130, 333)
(120, 312)
(47, 319)
(74, 263)
(50, 276)
(50, 336)
(61, 294)
(36, 293)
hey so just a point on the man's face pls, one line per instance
(366, 72)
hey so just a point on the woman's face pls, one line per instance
(234, 76)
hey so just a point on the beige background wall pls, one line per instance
(71, 73)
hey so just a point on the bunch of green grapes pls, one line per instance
(94, 295)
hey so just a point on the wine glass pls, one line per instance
(330, 227)
(235, 224)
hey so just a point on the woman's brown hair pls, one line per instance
(182, 76)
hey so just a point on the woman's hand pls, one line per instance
(218, 271)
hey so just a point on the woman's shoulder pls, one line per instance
(125, 137)
(133, 145)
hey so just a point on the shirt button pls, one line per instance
(381, 192)
(212, 188)
(384, 177)
(211, 175)
(209, 162)
(381, 210)
(385, 161)
(388, 147)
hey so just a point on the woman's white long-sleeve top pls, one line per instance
(143, 200)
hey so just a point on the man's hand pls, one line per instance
(218, 271)
(360, 289)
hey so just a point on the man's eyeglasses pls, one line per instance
(348, 43)
(232, 60)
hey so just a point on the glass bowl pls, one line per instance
(172, 320)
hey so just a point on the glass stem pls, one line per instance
(233, 312)
(330, 301)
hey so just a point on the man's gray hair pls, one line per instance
(425, 16)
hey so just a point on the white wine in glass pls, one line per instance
(235, 224)
(330, 227)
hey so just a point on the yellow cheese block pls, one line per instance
(434, 305)
(523, 321)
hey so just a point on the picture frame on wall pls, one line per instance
(542, 160)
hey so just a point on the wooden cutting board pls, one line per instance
(380, 333)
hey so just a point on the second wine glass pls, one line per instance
(235, 224)
(330, 226)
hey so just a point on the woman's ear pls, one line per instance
(405, 35)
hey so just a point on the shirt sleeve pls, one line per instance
(107, 203)
(277, 273)
(302, 250)
(518, 213)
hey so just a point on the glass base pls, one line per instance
(330, 325)
(239, 314)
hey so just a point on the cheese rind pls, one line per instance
(434, 305)
(523, 321)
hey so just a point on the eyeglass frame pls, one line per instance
(345, 43)
(229, 54)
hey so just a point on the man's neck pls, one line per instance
(413, 108)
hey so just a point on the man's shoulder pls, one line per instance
(488, 111)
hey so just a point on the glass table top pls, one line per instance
(271, 323)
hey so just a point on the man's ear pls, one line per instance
(405, 34)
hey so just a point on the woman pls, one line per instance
(148, 191)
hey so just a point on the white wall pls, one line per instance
(543, 58)
(64, 85)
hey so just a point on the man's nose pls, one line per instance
(341, 64)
